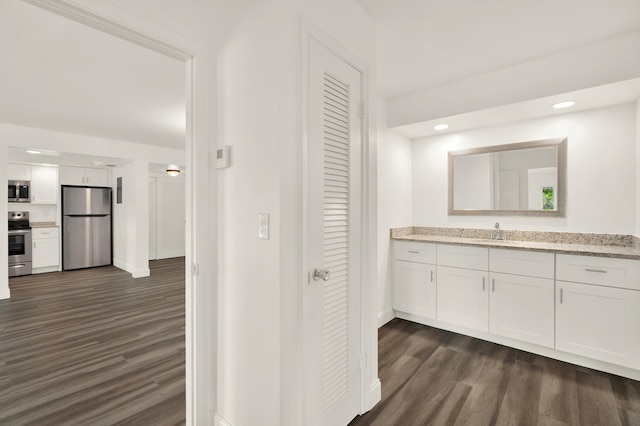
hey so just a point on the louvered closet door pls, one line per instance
(332, 297)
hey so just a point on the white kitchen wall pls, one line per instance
(130, 219)
(4, 247)
(637, 146)
(394, 204)
(601, 171)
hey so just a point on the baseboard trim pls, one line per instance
(122, 265)
(135, 273)
(374, 395)
(218, 420)
(140, 273)
(385, 316)
(5, 293)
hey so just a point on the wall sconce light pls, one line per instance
(173, 170)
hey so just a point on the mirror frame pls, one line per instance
(560, 143)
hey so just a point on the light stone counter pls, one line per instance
(43, 224)
(607, 245)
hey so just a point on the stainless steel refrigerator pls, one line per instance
(86, 227)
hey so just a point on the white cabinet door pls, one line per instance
(44, 184)
(45, 248)
(45, 253)
(598, 322)
(463, 297)
(18, 172)
(414, 288)
(83, 176)
(96, 177)
(71, 175)
(522, 308)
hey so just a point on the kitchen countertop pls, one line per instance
(607, 245)
(43, 224)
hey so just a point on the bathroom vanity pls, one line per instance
(573, 297)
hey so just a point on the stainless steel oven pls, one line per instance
(20, 244)
(19, 191)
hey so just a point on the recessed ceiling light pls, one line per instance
(565, 104)
(441, 127)
(32, 151)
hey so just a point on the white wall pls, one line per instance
(637, 146)
(130, 219)
(260, 102)
(394, 204)
(5, 292)
(601, 170)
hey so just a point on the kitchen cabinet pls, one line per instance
(70, 175)
(522, 295)
(46, 254)
(18, 172)
(44, 184)
(462, 297)
(414, 289)
(598, 308)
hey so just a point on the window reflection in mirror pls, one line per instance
(525, 178)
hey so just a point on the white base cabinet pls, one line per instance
(599, 322)
(46, 253)
(415, 292)
(577, 308)
(522, 308)
(414, 279)
(463, 298)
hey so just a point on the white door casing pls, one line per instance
(332, 302)
(201, 211)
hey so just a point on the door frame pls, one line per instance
(370, 386)
(200, 319)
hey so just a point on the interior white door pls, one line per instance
(332, 295)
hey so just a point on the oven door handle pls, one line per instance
(19, 231)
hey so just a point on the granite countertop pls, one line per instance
(607, 245)
(43, 224)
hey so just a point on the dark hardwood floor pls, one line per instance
(94, 347)
(434, 377)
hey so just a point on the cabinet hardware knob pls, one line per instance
(483, 286)
(493, 285)
(432, 275)
(414, 251)
(561, 295)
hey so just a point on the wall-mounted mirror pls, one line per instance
(519, 179)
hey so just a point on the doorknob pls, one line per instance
(321, 274)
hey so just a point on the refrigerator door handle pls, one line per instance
(86, 215)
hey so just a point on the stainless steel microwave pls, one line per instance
(19, 191)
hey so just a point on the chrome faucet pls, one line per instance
(497, 234)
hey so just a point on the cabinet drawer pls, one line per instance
(607, 271)
(529, 263)
(463, 257)
(42, 233)
(411, 251)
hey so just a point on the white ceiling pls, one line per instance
(60, 75)
(427, 43)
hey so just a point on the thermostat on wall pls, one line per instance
(222, 157)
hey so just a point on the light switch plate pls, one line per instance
(263, 226)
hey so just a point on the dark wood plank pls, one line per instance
(596, 402)
(94, 346)
(460, 380)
